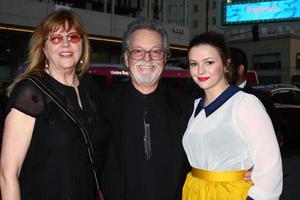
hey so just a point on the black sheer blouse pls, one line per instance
(57, 165)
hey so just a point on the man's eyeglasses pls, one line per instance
(139, 54)
(57, 38)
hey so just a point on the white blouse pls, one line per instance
(237, 134)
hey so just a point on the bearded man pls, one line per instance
(145, 159)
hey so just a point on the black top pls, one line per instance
(2, 114)
(128, 174)
(57, 165)
(2, 104)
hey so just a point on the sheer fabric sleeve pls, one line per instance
(256, 128)
(27, 98)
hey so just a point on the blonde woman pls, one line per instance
(44, 155)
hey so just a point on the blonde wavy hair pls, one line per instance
(36, 59)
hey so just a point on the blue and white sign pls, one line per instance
(260, 11)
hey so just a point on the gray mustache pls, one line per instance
(147, 64)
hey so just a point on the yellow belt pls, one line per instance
(218, 175)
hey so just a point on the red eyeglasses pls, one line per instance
(57, 38)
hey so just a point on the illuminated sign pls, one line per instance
(178, 30)
(119, 73)
(249, 12)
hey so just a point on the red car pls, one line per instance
(108, 74)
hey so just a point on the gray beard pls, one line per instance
(146, 80)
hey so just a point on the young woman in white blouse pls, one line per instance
(228, 133)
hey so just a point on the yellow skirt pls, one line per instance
(213, 185)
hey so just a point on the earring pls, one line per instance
(46, 63)
(81, 61)
(225, 70)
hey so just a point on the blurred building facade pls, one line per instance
(105, 21)
(275, 56)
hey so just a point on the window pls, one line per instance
(297, 97)
(196, 8)
(297, 60)
(214, 21)
(195, 23)
(267, 61)
(181, 9)
(296, 80)
(286, 97)
(271, 79)
(172, 9)
(275, 97)
(214, 5)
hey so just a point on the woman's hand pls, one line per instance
(248, 174)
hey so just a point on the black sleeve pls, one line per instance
(2, 115)
(26, 98)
